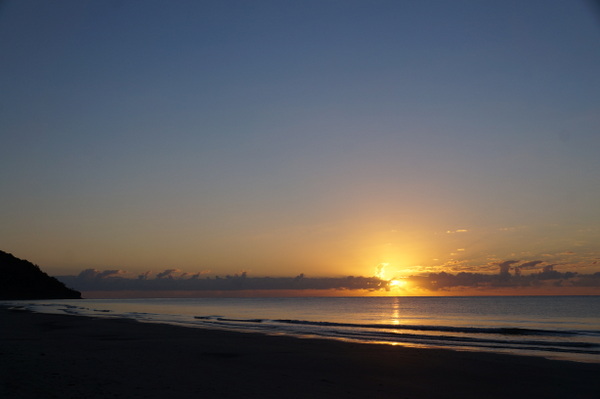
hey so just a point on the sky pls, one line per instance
(277, 138)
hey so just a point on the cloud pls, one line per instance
(508, 273)
(505, 266)
(547, 276)
(526, 266)
(96, 274)
(169, 273)
(456, 231)
(144, 276)
(90, 280)
(529, 265)
(88, 274)
(110, 273)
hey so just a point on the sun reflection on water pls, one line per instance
(395, 317)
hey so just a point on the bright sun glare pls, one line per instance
(392, 283)
(397, 283)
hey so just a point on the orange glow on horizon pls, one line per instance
(394, 291)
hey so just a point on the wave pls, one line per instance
(452, 329)
(467, 337)
(220, 318)
(566, 340)
(476, 330)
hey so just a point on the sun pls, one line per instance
(394, 283)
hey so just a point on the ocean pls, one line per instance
(555, 327)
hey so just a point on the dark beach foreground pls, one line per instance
(61, 356)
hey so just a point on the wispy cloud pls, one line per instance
(456, 231)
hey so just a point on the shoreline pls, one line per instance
(63, 356)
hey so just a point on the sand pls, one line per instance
(61, 356)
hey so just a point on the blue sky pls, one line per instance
(286, 137)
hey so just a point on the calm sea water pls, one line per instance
(565, 328)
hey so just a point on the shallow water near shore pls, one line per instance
(561, 327)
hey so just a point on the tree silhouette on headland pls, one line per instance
(21, 279)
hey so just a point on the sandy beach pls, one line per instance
(61, 356)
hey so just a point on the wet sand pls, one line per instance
(61, 356)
